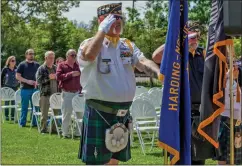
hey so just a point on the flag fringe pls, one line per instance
(217, 96)
(171, 150)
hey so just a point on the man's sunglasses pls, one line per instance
(13, 61)
(118, 17)
(73, 55)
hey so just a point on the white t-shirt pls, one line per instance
(237, 105)
(110, 77)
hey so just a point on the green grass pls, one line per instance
(24, 146)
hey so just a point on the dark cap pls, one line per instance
(113, 8)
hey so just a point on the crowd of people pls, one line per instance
(48, 79)
(103, 71)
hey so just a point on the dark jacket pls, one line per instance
(8, 78)
(196, 67)
(42, 78)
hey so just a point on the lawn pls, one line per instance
(25, 146)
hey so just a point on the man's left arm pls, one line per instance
(143, 64)
(148, 67)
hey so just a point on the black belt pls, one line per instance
(107, 107)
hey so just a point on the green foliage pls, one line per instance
(36, 24)
(40, 25)
(238, 47)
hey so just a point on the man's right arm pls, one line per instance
(20, 73)
(92, 48)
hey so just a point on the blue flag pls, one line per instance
(175, 119)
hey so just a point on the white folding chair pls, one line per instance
(154, 88)
(155, 97)
(37, 114)
(7, 94)
(78, 105)
(17, 98)
(143, 113)
(140, 89)
(55, 103)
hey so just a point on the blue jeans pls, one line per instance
(26, 97)
(7, 110)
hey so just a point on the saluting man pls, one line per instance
(107, 64)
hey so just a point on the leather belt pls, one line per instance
(107, 107)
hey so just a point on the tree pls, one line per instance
(199, 11)
(22, 18)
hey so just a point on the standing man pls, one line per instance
(107, 64)
(68, 74)
(196, 67)
(26, 75)
(46, 79)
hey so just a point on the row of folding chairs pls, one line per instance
(145, 111)
(8, 94)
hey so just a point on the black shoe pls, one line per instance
(7, 119)
(54, 132)
(66, 137)
(43, 131)
(77, 136)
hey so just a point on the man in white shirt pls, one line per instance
(107, 64)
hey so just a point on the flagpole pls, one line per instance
(165, 157)
(230, 51)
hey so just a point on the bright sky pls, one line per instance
(88, 9)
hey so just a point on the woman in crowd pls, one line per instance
(59, 60)
(8, 79)
(224, 138)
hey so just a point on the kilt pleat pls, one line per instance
(92, 149)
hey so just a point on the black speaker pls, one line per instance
(232, 10)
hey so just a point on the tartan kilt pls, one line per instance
(92, 149)
(224, 142)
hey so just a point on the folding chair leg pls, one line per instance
(57, 128)
(37, 121)
(141, 141)
(31, 122)
(79, 128)
(51, 119)
(2, 110)
(72, 129)
(131, 139)
(153, 140)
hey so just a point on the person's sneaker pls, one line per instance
(21, 126)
